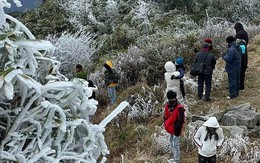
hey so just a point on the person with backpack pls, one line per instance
(209, 60)
(242, 37)
(172, 83)
(208, 138)
(180, 67)
(174, 119)
(233, 66)
(111, 80)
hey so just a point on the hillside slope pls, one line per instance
(122, 140)
(250, 95)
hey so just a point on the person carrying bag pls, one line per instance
(207, 62)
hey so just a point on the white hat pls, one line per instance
(212, 122)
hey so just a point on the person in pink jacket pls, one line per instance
(209, 137)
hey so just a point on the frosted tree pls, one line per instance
(43, 116)
(80, 11)
(141, 15)
(112, 9)
(72, 49)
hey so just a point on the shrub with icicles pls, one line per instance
(72, 49)
(240, 149)
(146, 105)
(44, 117)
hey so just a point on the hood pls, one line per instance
(109, 63)
(211, 122)
(238, 27)
(169, 66)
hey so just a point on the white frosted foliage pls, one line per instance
(44, 117)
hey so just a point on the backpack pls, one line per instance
(241, 46)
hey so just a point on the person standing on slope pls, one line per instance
(174, 119)
(171, 83)
(206, 76)
(242, 35)
(233, 66)
(111, 80)
(180, 67)
(209, 137)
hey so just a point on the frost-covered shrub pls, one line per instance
(240, 149)
(132, 67)
(145, 104)
(161, 140)
(44, 117)
(141, 14)
(235, 10)
(72, 49)
(187, 140)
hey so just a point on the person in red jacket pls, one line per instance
(174, 119)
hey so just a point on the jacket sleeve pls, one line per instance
(179, 122)
(166, 113)
(229, 56)
(196, 137)
(181, 73)
(221, 137)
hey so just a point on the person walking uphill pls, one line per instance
(233, 66)
(209, 137)
(242, 35)
(174, 119)
(111, 81)
(206, 76)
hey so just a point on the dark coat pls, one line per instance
(240, 32)
(209, 62)
(232, 58)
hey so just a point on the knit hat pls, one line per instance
(171, 95)
(79, 66)
(109, 63)
(230, 39)
(208, 40)
(179, 61)
(238, 26)
(211, 122)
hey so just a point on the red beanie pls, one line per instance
(208, 40)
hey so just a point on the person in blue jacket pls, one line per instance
(233, 67)
(180, 67)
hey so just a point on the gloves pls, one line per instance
(173, 77)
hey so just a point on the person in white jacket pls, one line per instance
(172, 84)
(209, 137)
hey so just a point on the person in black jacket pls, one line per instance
(242, 35)
(206, 76)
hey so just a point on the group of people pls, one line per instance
(236, 59)
(111, 79)
(208, 137)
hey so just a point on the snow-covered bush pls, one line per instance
(72, 49)
(240, 149)
(161, 140)
(44, 117)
